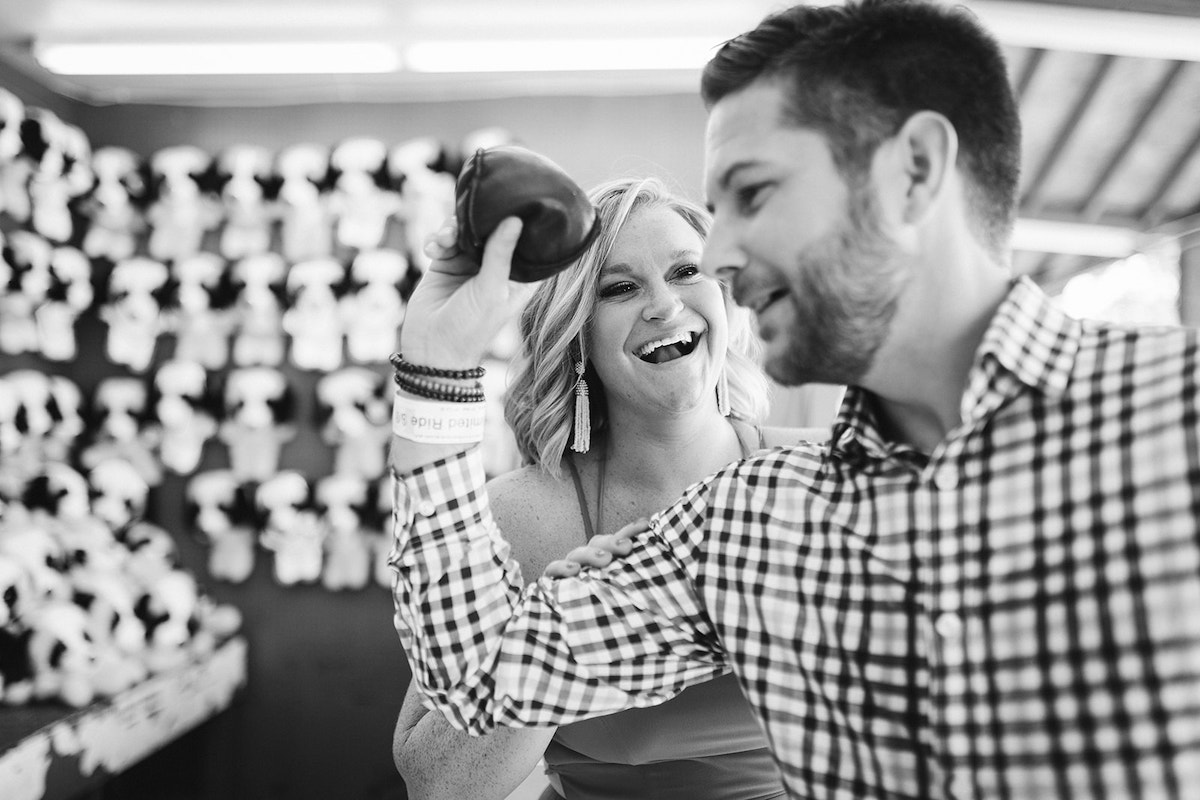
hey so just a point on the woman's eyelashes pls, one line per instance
(684, 273)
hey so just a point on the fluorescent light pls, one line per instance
(561, 55)
(1073, 238)
(1091, 30)
(215, 58)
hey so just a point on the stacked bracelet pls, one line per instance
(400, 365)
(439, 390)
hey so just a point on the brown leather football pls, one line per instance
(506, 181)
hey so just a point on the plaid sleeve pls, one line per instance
(484, 653)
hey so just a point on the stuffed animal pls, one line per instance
(77, 177)
(305, 224)
(343, 501)
(418, 170)
(116, 424)
(27, 258)
(243, 172)
(311, 317)
(118, 635)
(359, 201)
(68, 296)
(118, 494)
(181, 414)
(201, 311)
(167, 608)
(374, 307)
(354, 406)
(259, 282)
(152, 553)
(26, 537)
(258, 419)
(132, 310)
(114, 206)
(61, 655)
(13, 176)
(45, 138)
(13, 471)
(30, 388)
(220, 510)
(181, 212)
(290, 527)
(66, 419)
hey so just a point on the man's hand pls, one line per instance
(600, 550)
(455, 313)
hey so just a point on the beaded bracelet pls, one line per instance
(400, 365)
(436, 390)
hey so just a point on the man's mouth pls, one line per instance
(669, 348)
(761, 303)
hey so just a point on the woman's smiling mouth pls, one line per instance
(668, 348)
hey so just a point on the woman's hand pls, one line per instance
(598, 552)
(455, 313)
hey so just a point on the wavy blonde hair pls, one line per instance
(540, 402)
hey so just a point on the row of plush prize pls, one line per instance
(305, 201)
(92, 598)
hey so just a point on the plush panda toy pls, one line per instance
(114, 206)
(180, 212)
(133, 311)
(305, 222)
(311, 319)
(258, 310)
(343, 501)
(353, 406)
(220, 511)
(373, 308)
(243, 174)
(290, 527)
(181, 414)
(67, 298)
(258, 420)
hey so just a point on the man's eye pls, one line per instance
(748, 197)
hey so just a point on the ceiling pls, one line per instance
(1111, 107)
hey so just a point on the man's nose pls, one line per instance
(722, 258)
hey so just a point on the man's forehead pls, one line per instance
(736, 127)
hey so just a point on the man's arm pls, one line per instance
(486, 653)
(438, 762)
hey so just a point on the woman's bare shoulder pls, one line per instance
(538, 515)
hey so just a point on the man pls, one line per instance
(985, 586)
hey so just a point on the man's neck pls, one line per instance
(920, 380)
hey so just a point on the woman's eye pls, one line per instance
(687, 271)
(616, 289)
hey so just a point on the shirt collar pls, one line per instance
(1029, 339)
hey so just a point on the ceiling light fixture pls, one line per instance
(559, 55)
(1073, 238)
(216, 58)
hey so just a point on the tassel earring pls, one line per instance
(583, 413)
(723, 393)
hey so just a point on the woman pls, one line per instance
(637, 379)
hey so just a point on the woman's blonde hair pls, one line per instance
(540, 403)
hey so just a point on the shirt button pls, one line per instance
(426, 508)
(948, 625)
(946, 479)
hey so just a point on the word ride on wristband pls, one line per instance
(433, 422)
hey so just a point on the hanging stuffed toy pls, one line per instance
(114, 206)
(343, 501)
(243, 172)
(47, 141)
(180, 416)
(132, 309)
(258, 419)
(115, 417)
(181, 212)
(200, 309)
(118, 494)
(258, 310)
(373, 308)
(68, 296)
(78, 179)
(353, 406)
(66, 419)
(418, 170)
(220, 510)
(14, 198)
(152, 553)
(61, 655)
(117, 634)
(27, 261)
(290, 527)
(311, 318)
(305, 224)
(360, 202)
(30, 389)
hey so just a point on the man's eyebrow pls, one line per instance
(727, 178)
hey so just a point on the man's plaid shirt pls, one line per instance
(1016, 615)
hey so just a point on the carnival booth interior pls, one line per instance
(194, 416)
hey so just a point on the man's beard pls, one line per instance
(844, 297)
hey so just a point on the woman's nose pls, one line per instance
(662, 303)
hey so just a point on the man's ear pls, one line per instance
(926, 148)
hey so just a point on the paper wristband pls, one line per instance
(432, 422)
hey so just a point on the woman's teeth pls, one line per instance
(668, 348)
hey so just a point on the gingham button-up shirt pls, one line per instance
(1015, 615)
